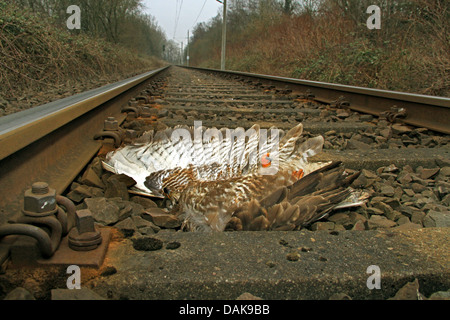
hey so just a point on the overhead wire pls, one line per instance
(177, 17)
(203, 7)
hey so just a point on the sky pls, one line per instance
(165, 13)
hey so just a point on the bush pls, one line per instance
(36, 55)
(330, 42)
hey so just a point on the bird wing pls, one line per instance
(300, 204)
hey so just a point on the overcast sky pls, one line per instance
(165, 13)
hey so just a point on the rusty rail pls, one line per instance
(54, 142)
(417, 110)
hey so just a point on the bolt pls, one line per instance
(145, 113)
(39, 188)
(85, 236)
(85, 221)
(40, 200)
(111, 124)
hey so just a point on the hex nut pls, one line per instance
(111, 124)
(40, 199)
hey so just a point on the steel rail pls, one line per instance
(54, 142)
(421, 110)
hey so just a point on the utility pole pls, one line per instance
(188, 50)
(224, 34)
(182, 54)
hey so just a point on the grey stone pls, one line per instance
(400, 129)
(408, 168)
(446, 200)
(361, 182)
(136, 208)
(402, 220)
(144, 202)
(340, 218)
(409, 292)
(445, 171)
(393, 203)
(161, 218)
(386, 133)
(440, 295)
(147, 230)
(417, 188)
(90, 178)
(369, 174)
(417, 217)
(104, 212)
(385, 208)
(437, 219)
(387, 190)
(366, 117)
(125, 212)
(116, 188)
(404, 177)
(407, 210)
(126, 224)
(408, 226)
(379, 222)
(428, 173)
(374, 211)
(316, 226)
(391, 168)
(140, 222)
(355, 217)
(359, 226)
(393, 215)
(97, 167)
(342, 114)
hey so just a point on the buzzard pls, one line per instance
(236, 179)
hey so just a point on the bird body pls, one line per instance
(235, 179)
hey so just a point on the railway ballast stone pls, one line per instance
(437, 219)
(108, 211)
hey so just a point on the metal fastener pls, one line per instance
(85, 237)
(111, 124)
(40, 200)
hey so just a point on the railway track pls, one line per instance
(399, 141)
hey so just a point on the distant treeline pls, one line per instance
(117, 21)
(328, 40)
